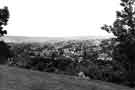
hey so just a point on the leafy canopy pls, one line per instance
(4, 16)
(124, 25)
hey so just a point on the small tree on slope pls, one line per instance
(124, 30)
(4, 50)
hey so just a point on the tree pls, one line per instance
(124, 25)
(4, 49)
(124, 30)
(4, 16)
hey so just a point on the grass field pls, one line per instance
(12, 78)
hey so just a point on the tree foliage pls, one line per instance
(124, 25)
(4, 16)
(4, 49)
(124, 30)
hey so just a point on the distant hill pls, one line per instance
(12, 78)
(20, 39)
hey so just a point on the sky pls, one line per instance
(59, 18)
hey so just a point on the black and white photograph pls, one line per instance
(67, 44)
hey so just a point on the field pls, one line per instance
(20, 79)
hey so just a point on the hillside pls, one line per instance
(21, 79)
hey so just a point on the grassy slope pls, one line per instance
(21, 79)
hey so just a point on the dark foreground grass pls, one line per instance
(20, 79)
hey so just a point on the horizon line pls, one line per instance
(62, 36)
